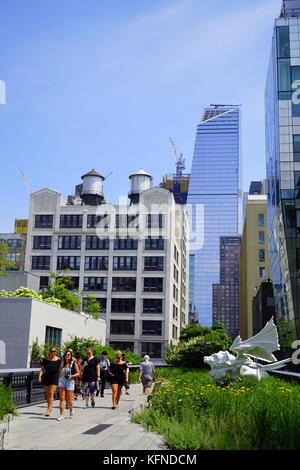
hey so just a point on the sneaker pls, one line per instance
(86, 405)
(127, 393)
(71, 414)
(60, 418)
(102, 396)
(92, 402)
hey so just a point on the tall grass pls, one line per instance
(191, 412)
(6, 402)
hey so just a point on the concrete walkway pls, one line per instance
(98, 428)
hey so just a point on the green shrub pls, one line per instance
(6, 403)
(24, 292)
(192, 352)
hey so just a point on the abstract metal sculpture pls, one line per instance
(260, 346)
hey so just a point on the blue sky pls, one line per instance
(98, 84)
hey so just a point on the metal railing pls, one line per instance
(24, 385)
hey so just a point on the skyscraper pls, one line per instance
(215, 198)
(283, 170)
(226, 294)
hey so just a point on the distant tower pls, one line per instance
(92, 188)
(140, 181)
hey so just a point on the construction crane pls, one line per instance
(180, 161)
(26, 181)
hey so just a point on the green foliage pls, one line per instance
(6, 402)
(81, 344)
(39, 351)
(191, 412)
(191, 352)
(192, 331)
(92, 307)
(59, 288)
(24, 292)
(4, 262)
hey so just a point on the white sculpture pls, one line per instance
(260, 346)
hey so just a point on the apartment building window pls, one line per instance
(43, 221)
(153, 263)
(14, 257)
(71, 221)
(152, 243)
(99, 221)
(14, 243)
(124, 263)
(96, 243)
(95, 283)
(155, 221)
(69, 243)
(124, 284)
(175, 274)
(101, 302)
(68, 262)
(123, 305)
(122, 327)
(40, 262)
(261, 238)
(175, 332)
(175, 313)
(44, 282)
(176, 255)
(298, 261)
(127, 221)
(125, 243)
(153, 284)
(74, 283)
(151, 349)
(150, 327)
(261, 255)
(175, 293)
(261, 220)
(53, 336)
(96, 263)
(42, 243)
(122, 345)
(262, 273)
(296, 147)
(152, 305)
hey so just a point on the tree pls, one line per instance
(92, 307)
(60, 288)
(5, 263)
(192, 331)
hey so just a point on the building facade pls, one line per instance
(132, 258)
(16, 249)
(283, 170)
(226, 308)
(254, 259)
(263, 306)
(214, 198)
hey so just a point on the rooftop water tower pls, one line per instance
(92, 188)
(140, 181)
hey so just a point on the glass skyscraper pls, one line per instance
(282, 99)
(214, 198)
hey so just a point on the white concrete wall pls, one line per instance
(23, 321)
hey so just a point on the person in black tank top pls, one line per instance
(49, 376)
(118, 375)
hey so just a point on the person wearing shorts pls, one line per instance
(146, 374)
(90, 377)
(68, 372)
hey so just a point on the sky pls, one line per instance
(98, 84)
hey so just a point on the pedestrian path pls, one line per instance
(98, 428)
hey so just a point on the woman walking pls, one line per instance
(66, 384)
(48, 376)
(146, 374)
(90, 377)
(118, 375)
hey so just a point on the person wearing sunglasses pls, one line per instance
(49, 376)
(67, 372)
